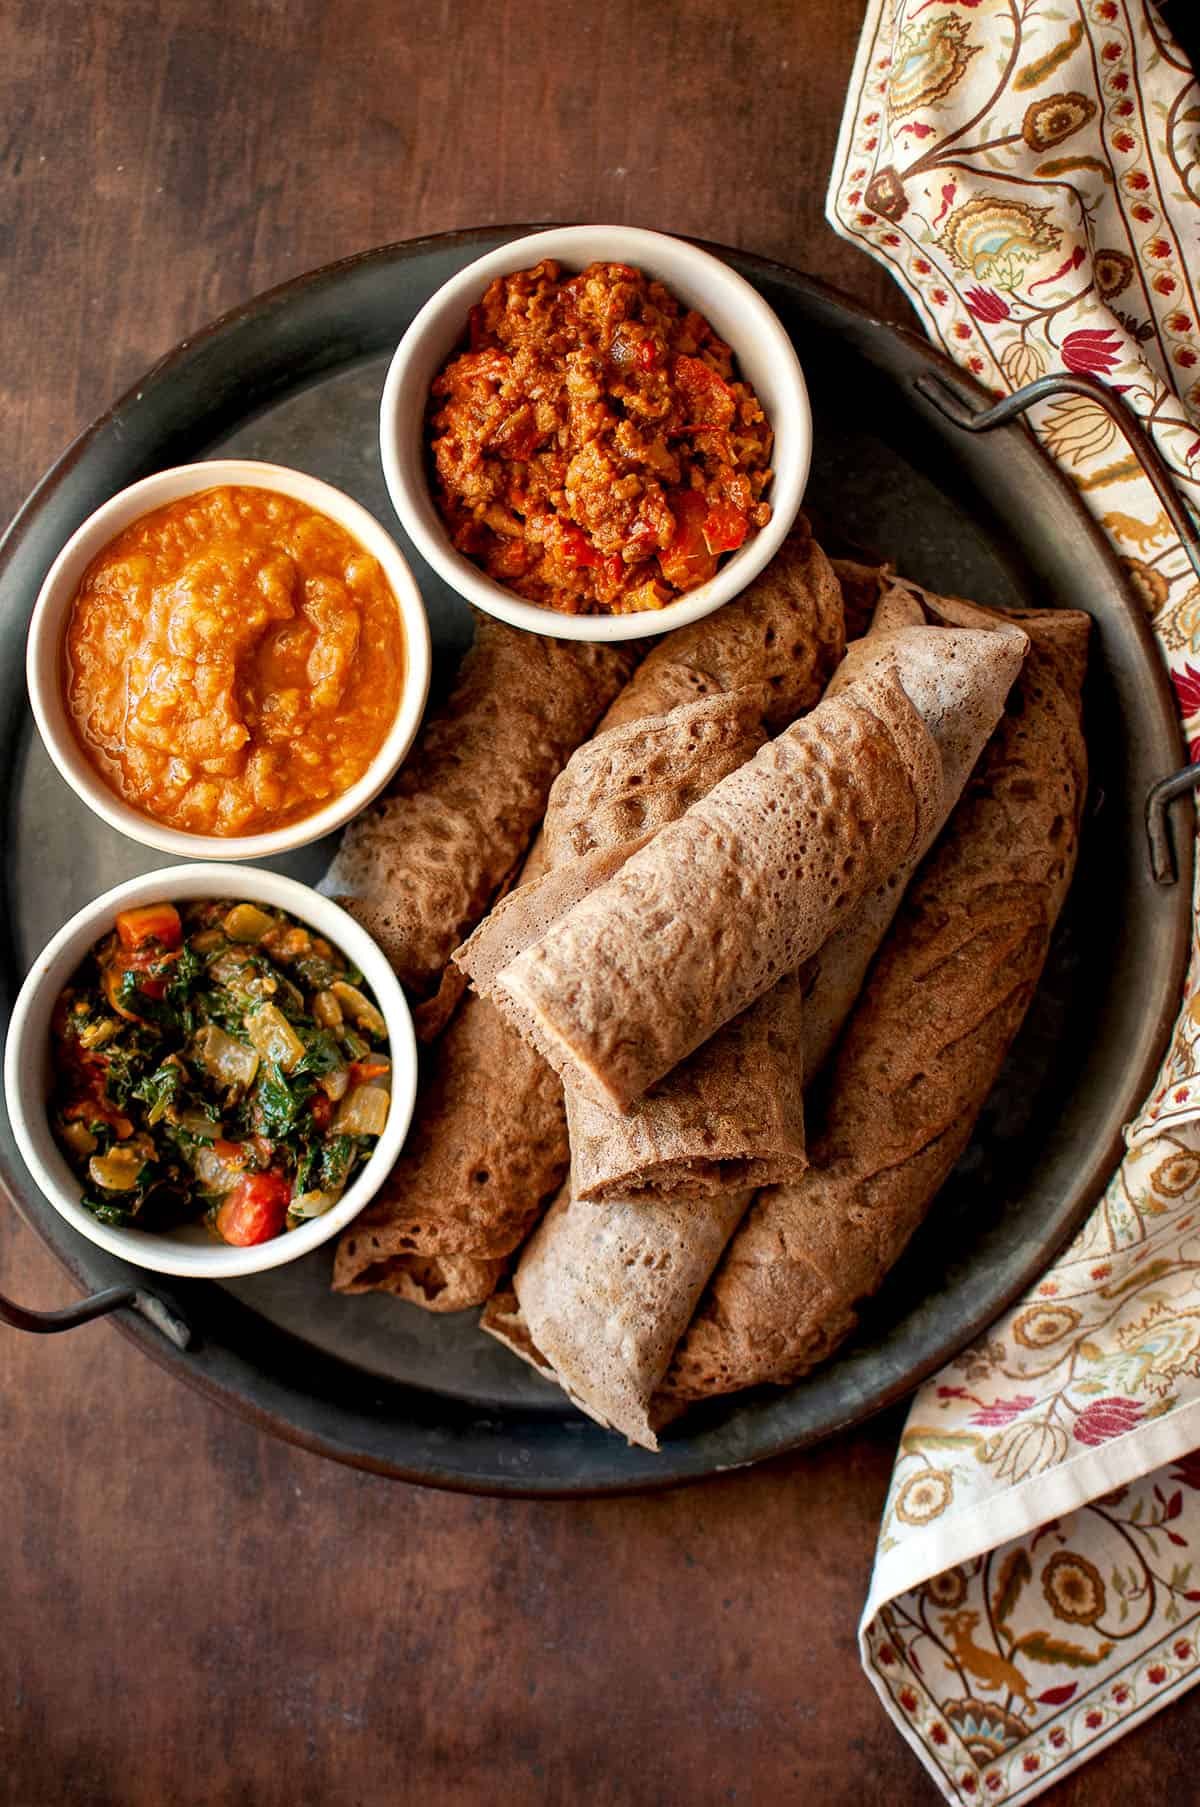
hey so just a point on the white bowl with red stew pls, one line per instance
(210, 1070)
(228, 660)
(596, 432)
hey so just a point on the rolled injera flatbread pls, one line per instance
(722, 1118)
(699, 923)
(925, 1044)
(605, 1294)
(782, 637)
(488, 1146)
(613, 796)
(958, 681)
(420, 866)
(612, 1360)
(486, 1153)
(732, 1115)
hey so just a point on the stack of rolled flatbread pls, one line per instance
(735, 1020)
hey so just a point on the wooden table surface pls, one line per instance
(191, 1612)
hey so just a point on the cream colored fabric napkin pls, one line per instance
(1029, 170)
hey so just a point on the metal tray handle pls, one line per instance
(165, 1318)
(960, 405)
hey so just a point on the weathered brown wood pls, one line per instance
(191, 1613)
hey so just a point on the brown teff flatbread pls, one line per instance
(606, 1294)
(707, 1108)
(488, 1104)
(782, 638)
(957, 663)
(947, 994)
(729, 1117)
(420, 866)
(434, 1282)
(615, 793)
(734, 1113)
(861, 585)
(721, 904)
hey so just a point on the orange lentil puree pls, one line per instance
(592, 447)
(233, 662)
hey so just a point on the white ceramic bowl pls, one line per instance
(190, 1249)
(738, 313)
(43, 661)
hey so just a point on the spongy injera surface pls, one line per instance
(922, 1050)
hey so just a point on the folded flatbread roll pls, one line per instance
(703, 920)
(605, 1295)
(782, 637)
(488, 1145)
(420, 866)
(922, 1050)
(730, 1116)
(615, 793)
(486, 1153)
(958, 681)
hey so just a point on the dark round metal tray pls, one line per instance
(295, 377)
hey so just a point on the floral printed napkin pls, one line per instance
(1029, 170)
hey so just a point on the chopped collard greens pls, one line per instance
(217, 1061)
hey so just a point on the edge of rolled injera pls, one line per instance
(782, 636)
(486, 1152)
(860, 584)
(725, 901)
(630, 780)
(523, 917)
(606, 1291)
(958, 672)
(439, 1283)
(612, 796)
(420, 865)
(501, 1317)
(729, 1117)
(946, 996)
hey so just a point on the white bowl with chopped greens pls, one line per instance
(210, 1070)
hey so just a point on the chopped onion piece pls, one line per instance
(274, 1037)
(224, 1057)
(363, 1112)
(359, 1008)
(246, 922)
(312, 1204)
(336, 1083)
(117, 1171)
(79, 1138)
(198, 1124)
(215, 1172)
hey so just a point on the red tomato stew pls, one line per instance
(217, 1062)
(592, 448)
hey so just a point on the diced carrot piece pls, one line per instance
(150, 922)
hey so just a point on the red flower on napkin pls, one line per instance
(1106, 1418)
(1091, 350)
(1187, 1469)
(985, 304)
(1187, 689)
(1003, 1411)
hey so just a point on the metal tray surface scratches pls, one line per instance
(295, 377)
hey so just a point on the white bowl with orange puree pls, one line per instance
(228, 660)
